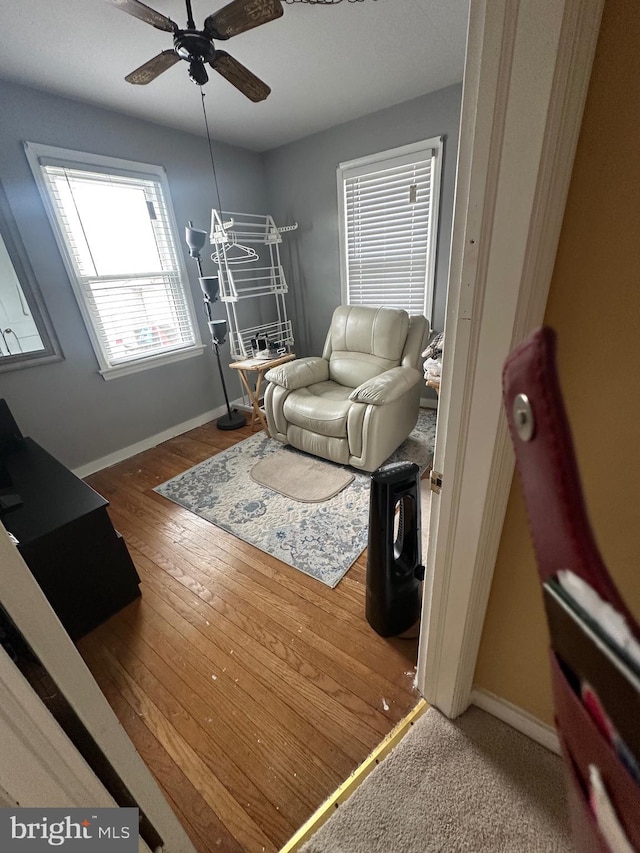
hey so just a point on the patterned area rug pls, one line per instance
(320, 539)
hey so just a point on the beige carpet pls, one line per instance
(303, 478)
(473, 784)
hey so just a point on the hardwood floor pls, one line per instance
(251, 690)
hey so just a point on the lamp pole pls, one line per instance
(217, 328)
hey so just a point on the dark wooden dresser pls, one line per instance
(67, 539)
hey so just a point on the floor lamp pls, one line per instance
(217, 328)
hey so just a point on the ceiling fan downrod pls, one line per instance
(191, 25)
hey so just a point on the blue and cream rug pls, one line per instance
(320, 539)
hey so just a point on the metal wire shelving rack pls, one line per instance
(252, 281)
(246, 274)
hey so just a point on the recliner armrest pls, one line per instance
(299, 373)
(386, 387)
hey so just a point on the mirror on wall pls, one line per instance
(26, 335)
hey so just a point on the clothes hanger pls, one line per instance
(246, 254)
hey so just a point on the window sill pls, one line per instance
(152, 361)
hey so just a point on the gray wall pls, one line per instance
(301, 186)
(67, 406)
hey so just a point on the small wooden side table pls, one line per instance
(259, 366)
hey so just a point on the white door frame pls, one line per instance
(40, 766)
(526, 78)
(50, 752)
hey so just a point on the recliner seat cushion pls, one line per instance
(322, 408)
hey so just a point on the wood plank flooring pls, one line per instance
(251, 690)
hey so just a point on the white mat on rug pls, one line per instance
(301, 477)
(320, 539)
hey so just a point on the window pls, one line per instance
(388, 227)
(116, 233)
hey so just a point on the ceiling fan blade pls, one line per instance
(153, 68)
(239, 76)
(146, 14)
(240, 16)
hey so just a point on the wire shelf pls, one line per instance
(247, 283)
(229, 228)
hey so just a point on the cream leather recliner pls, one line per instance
(357, 403)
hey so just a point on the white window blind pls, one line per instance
(388, 228)
(116, 233)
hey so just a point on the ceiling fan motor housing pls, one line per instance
(196, 47)
(193, 44)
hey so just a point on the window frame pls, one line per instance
(37, 152)
(371, 163)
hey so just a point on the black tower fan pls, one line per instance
(394, 555)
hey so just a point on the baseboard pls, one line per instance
(517, 718)
(154, 440)
(147, 443)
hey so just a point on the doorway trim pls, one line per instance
(526, 79)
(35, 735)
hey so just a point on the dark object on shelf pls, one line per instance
(260, 346)
(263, 347)
(394, 555)
(10, 439)
(67, 540)
(8, 501)
(594, 677)
(10, 435)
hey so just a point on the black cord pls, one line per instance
(213, 165)
(214, 339)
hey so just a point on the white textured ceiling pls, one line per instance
(325, 64)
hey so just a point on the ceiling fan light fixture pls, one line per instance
(197, 72)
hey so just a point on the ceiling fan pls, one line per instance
(197, 47)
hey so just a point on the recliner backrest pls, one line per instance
(364, 342)
(417, 337)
